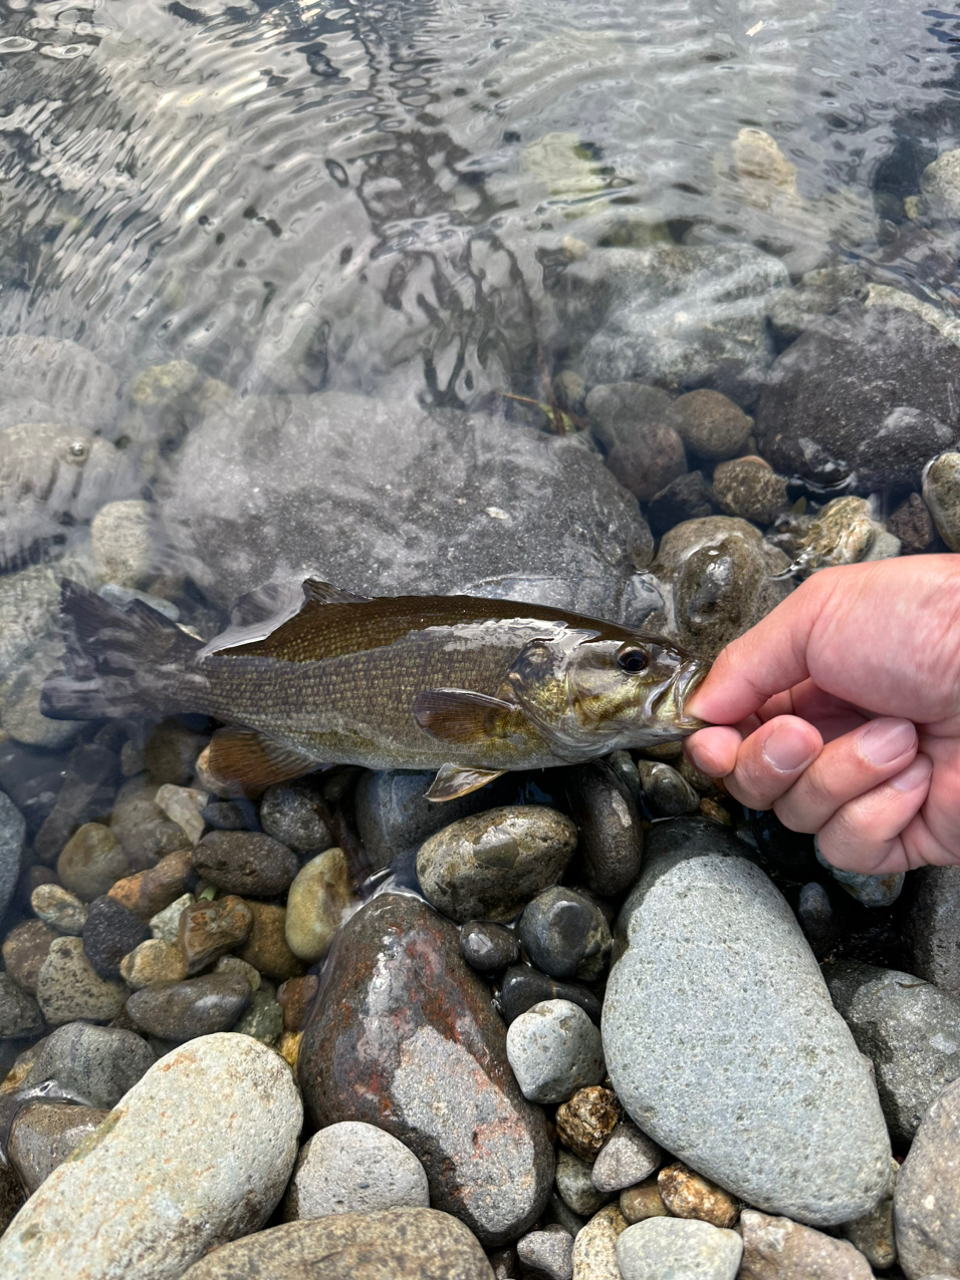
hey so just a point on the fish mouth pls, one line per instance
(671, 703)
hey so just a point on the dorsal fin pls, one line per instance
(317, 592)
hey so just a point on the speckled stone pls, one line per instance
(208, 930)
(25, 948)
(171, 752)
(263, 1017)
(554, 1049)
(402, 1244)
(751, 489)
(245, 862)
(184, 806)
(43, 1134)
(19, 1012)
(96, 1063)
(142, 828)
(566, 934)
(291, 812)
(318, 898)
(122, 534)
(151, 962)
(547, 1255)
(710, 424)
(91, 861)
(489, 865)
(611, 840)
(178, 1011)
(689, 1195)
(266, 947)
(941, 494)
(150, 891)
(59, 908)
(405, 1037)
(926, 1204)
(660, 1247)
(575, 1184)
(13, 830)
(137, 1201)
(778, 1249)
(69, 988)
(595, 1248)
(353, 1167)
(932, 926)
(873, 1234)
(643, 1201)
(488, 947)
(627, 1157)
(587, 1119)
(109, 933)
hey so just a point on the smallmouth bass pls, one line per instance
(468, 686)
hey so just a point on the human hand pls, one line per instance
(840, 711)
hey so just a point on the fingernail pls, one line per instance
(916, 773)
(785, 750)
(884, 740)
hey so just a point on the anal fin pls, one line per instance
(452, 781)
(254, 762)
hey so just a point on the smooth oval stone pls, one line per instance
(766, 1092)
(149, 892)
(575, 1184)
(776, 1247)
(245, 862)
(178, 1011)
(487, 947)
(43, 1134)
(96, 1063)
(662, 1247)
(150, 1192)
(926, 1203)
(611, 839)
(315, 904)
(405, 1037)
(489, 865)
(554, 1049)
(524, 987)
(91, 861)
(354, 1167)
(566, 934)
(291, 813)
(402, 1244)
(57, 906)
(626, 1158)
(25, 948)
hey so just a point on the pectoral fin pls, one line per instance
(461, 716)
(452, 781)
(255, 762)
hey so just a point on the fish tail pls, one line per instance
(120, 660)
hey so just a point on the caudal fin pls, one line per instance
(121, 660)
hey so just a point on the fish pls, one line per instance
(469, 686)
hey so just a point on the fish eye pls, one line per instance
(632, 661)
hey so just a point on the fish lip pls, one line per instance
(679, 690)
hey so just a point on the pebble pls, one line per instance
(87, 792)
(318, 898)
(178, 1011)
(912, 523)
(263, 1017)
(644, 1201)
(873, 1234)
(59, 908)
(575, 1184)
(295, 996)
(488, 947)
(245, 862)
(402, 1244)
(68, 987)
(353, 1167)
(939, 183)
(941, 495)
(689, 497)
(96, 1063)
(595, 1247)
(908, 1028)
(152, 962)
(19, 1012)
(231, 815)
(210, 929)
(566, 934)
(166, 923)
(140, 825)
(171, 753)
(524, 987)
(291, 813)
(122, 534)
(926, 1203)
(489, 865)
(587, 1119)
(767, 1093)
(184, 806)
(635, 425)
(710, 424)
(20, 714)
(872, 891)
(750, 488)
(266, 947)
(92, 861)
(627, 1157)
(25, 948)
(606, 814)
(666, 792)
(554, 1049)
(688, 1195)
(661, 1247)
(819, 918)
(44, 1134)
(140, 1202)
(547, 1255)
(233, 964)
(932, 927)
(151, 891)
(13, 831)
(405, 1036)
(779, 1249)
(110, 932)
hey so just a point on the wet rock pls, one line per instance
(152, 962)
(354, 1167)
(92, 861)
(295, 996)
(13, 829)
(253, 978)
(566, 934)
(909, 1029)
(926, 1203)
(751, 489)
(208, 930)
(547, 1255)
(554, 1049)
(688, 1195)
(230, 815)
(183, 805)
(666, 792)
(171, 752)
(434, 1023)
(266, 947)
(689, 497)
(488, 947)
(109, 933)
(627, 1157)
(778, 1249)
(932, 927)
(59, 908)
(575, 1185)
(825, 428)
(87, 793)
(245, 862)
(490, 865)
(20, 712)
(821, 292)
(44, 1134)
(166, 923)
(406, 1244)
(166, 1202)
(19, 1013)
(635, 425)
(318, 898)
(69, 988)
(178, 1011)
(722, 577)
(673, 315)
(786, 1115)
(940, 183)
(611, 840)
(96, 1063)
(711, 425)
(149, 892)
(123, 536)
(290, 813)
(524, 987)
(587, 1119)
(25, 948)
(669, 1246)
(941, 495)
(912, 524)
(643, 1201)
(144, 831)
(873, 1234)
(595, 1247)
(819, 918)
(496, 496)
(263, 1017)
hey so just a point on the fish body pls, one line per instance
(470, 686)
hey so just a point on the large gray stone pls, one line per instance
(932, 926)
(683, 1247)
(763, 1089)
(13, 830)
(926, 1203)
(363, 493)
